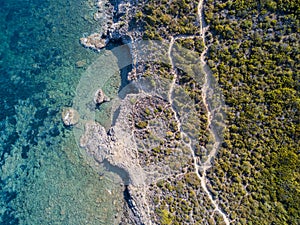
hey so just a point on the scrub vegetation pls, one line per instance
(255, 58)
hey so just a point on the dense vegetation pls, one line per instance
(181, 201)
(162, 18)
(255, 58)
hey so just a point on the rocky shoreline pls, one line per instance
(116, 148)
(116, 16)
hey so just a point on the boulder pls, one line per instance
(70, 116)
(94, 41)
(100, 97)
(80, 64)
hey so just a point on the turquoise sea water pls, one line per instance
(44, 177)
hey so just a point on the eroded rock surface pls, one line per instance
(95, 141)
(118, 149)
(144, 145)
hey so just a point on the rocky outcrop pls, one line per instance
(95, 141)
(117, 22)
(118, 148)
(94, 41)
(70, 116)
(118, 151)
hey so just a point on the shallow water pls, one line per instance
(44, 177)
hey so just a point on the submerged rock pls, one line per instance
(94, 41)
(70, 116)
(100, 97)
(80, 64)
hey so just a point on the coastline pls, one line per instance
(123, 147)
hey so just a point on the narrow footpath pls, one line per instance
(205, 89)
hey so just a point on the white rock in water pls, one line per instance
(70, 116)
(100, 97)
(94, 41)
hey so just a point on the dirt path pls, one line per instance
(206, 86)
(205, 90)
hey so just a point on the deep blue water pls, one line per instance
(44, 177)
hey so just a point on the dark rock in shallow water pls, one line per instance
(134, 215)
(111, 132)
